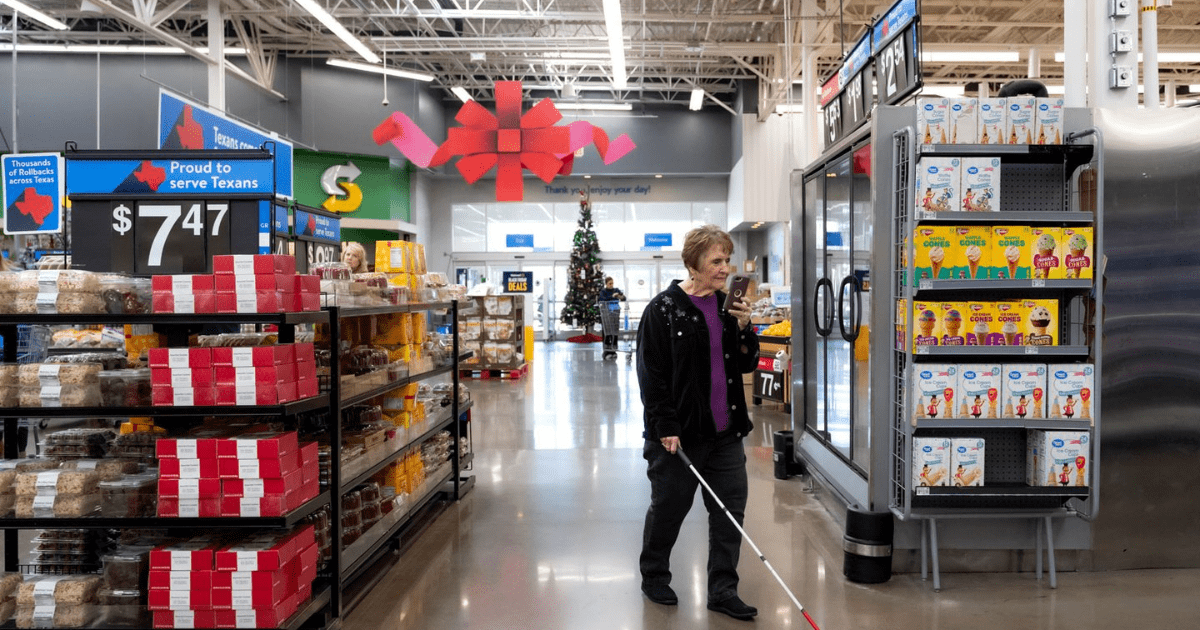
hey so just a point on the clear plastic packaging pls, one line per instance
(134, 496)
(125, 388)
(138, 445)
(59, 506)
(65, 616)
(58, 373)
(125, 294)
(58, 590)
(331, 270)
(60, 303)
(60, 482)
(109, 469)
(59, 280)
(113, 597)
(126, 568)
(106, 360)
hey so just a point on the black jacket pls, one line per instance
(673, 367)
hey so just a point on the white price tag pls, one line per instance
(248, 468)
(43, 506)
(184, 397)
(186, 449)
(242, 580)
(47, 482)
(181, 561)
(48, 374)
(185, 303)
(185, 618)
(43, 616)
(243, 357)
(247, 560)
(922, 349)
(189, 469)
(925, 284)
(189, 488)
(251, 507)
(181, 580)
(181, 600)
(43, 591)
(243, 600)
(51, 395)
(181, 377)
(247, 449)
(246, 619)
(253, 489)
(244, 377)
(182, 284)
(1039, 283)
(1031, 349)
(189, 508)
(921, 492)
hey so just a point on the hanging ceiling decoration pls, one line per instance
(507, 140)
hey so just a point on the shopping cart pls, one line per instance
(610, 327)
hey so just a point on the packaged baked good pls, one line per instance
(131, 496)
(9, 583)
(60, 396)
(126, 567)
(57, 482)
(58, 589)
(58, 506)
(60, 303)
(108, 469)
(59, 373)
(57, 616)
(125, 294)
(106, 360)
(125, 388)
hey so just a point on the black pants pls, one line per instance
(672, 491)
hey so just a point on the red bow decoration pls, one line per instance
(507, 140)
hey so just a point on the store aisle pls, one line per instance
(549, 537)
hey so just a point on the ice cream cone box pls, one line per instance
(971, 252)
(1075, 251)
(1021, 120)
(980, 184)
(938, 184)
(953, 317)
(1049, 116)
(1012, 250)
(992, 116)
(927, 328)
(964, 121)
(931, 462)
(966, 462)
(901, 325)
(1010, 318)
(935, 387)
(1043, 252)
(932, 252)
(1040, 319)
(1070, 387)
(1058, 458)
(979, 386)
(981, 322)
(933, 120)
(1024, 390)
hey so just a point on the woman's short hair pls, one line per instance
(699, 240)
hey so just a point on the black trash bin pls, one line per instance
(868, 546)
(785, 456)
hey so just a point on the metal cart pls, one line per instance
(610, 327)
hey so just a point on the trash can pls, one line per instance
(868, 546)
(784, 455)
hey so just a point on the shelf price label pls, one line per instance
(1039, 283)
(1031, 349)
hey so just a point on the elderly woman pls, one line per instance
(354, 255)
(691, 354)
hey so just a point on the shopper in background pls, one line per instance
(610, 293)
(691, 356)
(354, 255)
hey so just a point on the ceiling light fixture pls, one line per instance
(336, 28)
(967, 56)
(697, 99)
(609, 107)
(616, 42)
(393, 72)
(31, 12)
(461, 93)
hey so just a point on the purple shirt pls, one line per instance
(718, 395)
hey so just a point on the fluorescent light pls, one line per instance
(336, 27)
(29, 11)
(461, 94)
(115, 49)
(1194, 89)
(392, 72)
(1163, 57)
(1057, 90)
(784, 108)
(610, 107)
(968, 56)
(616, 42)
(697, 99)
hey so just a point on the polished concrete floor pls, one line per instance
(549, 538)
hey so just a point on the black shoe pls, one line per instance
(734, 607)
(660, 594)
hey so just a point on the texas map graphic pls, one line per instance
(28, 213)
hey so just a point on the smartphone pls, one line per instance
(737, 290)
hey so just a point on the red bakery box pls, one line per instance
(168, 599)
(183, 377)
(303, 302)
(258, 488)
(250, 264)
(167, 396)
(267, 552)
(202, 446)
(180, 357)
(279, 468)
(254, 507)
(189, 508)
(257, 302)
(248, 284)
(185, 619)
(257, 356)
(262, 445)
(304, 352)
(192, 555)
(229, 375)
(183, 284)
(258, 394)
(181, 580)
(188, 488)
(273, 617)
(175, 468)
(202, 303)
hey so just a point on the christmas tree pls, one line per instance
(584, 276)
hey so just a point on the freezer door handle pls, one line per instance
(824, 325)
(855, 307)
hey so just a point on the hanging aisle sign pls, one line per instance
(896, 42)
(321, 233)
(33, 193)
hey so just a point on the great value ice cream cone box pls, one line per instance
(964, 120)
(1024, 390)
(1058, 458)
(981, 322)
(1070, 387)
(1021, 120)
(934, 390)
(992, 116)
(980, 184)
(933, 125)
(1011, 252)
(1075, 252)
(931, 462)
(1043, 252)
(979, 386)
(1040, 319)
(1010, 318)
(971, 252)
(932, 257)
(1049, 116)
(937, 185)
(927, 328)
(966, 462)
(953, 315)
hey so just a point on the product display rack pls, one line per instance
(323, 592)
(1038, 182)
(351, 561)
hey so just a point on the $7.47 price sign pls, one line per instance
(173, 237)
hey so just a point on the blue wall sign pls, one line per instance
(218, 179)
(318, 226)
(33, 193)
(518, 240)
(658, 240)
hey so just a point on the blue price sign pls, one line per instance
(318, 226)
(518, 282)
(518, 240)
(658, 240)
(211, 177)
(33, 193)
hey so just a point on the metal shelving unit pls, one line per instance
(1035, 175)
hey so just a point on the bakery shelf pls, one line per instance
(355, 556)
(320, 401)
(318, 602)
(1023, 284)
(383, 389)
(154, 522)
(353, 311)
(1051, 424)
(364, 473)
(306, 317)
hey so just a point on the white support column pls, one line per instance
(1104, 62)
(1035, 64)
(15, 133)
(1075, 53)
(216, 50)
(1150, 52)
(985, 89)
(808, 98)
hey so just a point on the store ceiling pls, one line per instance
(671, 46)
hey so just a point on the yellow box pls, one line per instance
(1075, 252)
(932, 258)
(971, 252)
(410, 262)
(1040, 322)
(1043, 252)
(420, 327)
(419, 264)
(981, 324)
(901, 325)
(1009, 322)
(1011, 251)
(927, 323)
(953, 314)
(389, 256)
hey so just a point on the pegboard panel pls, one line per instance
(1032, 188)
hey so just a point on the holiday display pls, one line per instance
(584, 277)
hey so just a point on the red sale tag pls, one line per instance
(766, 364)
